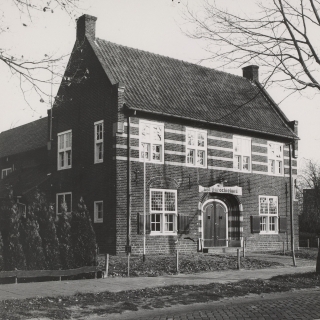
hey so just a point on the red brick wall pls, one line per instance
(177, 177)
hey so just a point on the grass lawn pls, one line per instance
(84, 306)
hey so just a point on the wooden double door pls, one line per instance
(215, 225)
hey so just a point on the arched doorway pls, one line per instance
(215, 224)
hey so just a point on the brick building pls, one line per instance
(169, 154)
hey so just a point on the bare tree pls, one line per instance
(309, 199)
(308, 189)
(281, 36)
(36, 74)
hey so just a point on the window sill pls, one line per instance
(163, 233)
(98, 221)
(148, 161)
(59, 169)
(194, 166)
(101, 161)
(242, 171)
(269, 233)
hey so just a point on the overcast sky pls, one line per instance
(151, 25)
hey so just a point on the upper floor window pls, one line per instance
(151, 141)
(275, 158)
(163, 211)
(242, 153)
(5, 172)
(98, 211)
(196, 147)
(268, 211)
(98, 141)
(64, 199)
(64, 149)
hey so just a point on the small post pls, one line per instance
(307, 243)
(177, 260)
(244, 248)
(107, 265)
(283, 248)
(128, 265)
(238, 256)
(16, 279)
(318, 243)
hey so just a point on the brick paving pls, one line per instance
(299, 305)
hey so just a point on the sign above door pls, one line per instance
(219, 188)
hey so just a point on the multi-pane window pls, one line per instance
(98, 211)
(275, 158)
(242, 153)
(196, 147)
(163, 210)
(64, 201)
(268, 211)
(5, 172)
(64, 149)
(151, 141)
(98, 141)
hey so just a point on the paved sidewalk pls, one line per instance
(57, 288)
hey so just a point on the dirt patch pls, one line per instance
(188, 263)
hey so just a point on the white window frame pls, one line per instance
(266, 215)
(64, 199)
(275, 159)
(98, 142)
(240, 154)
(193, 149)
(163, 213)
(5, 172)
(64, 151)
(96, 212)
(148, 145)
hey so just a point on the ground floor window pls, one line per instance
(64, 199)
(98, 211)
(268, 212)
(163, 211)
(5, 172)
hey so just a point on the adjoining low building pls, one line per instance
(169, 154)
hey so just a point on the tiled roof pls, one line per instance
(24, 181)
(155, 83)
(27, 137)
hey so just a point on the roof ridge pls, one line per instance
(23, 125)
(171, 58)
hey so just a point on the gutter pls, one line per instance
(293, 137)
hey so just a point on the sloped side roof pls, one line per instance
(160, 84)
(24, 181)
(27, 137)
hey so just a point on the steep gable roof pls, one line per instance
(27, 137)
(155, 83)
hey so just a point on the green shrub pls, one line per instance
(32, 242)
(63, 228)
(50, 243)
(83, 237)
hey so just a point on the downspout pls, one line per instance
(291, 207)
(128, 190)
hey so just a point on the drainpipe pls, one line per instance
(129, 191)
(291, 207)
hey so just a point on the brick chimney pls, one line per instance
(86, 26)
(251, 73)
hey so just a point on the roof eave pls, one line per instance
(293, 137)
